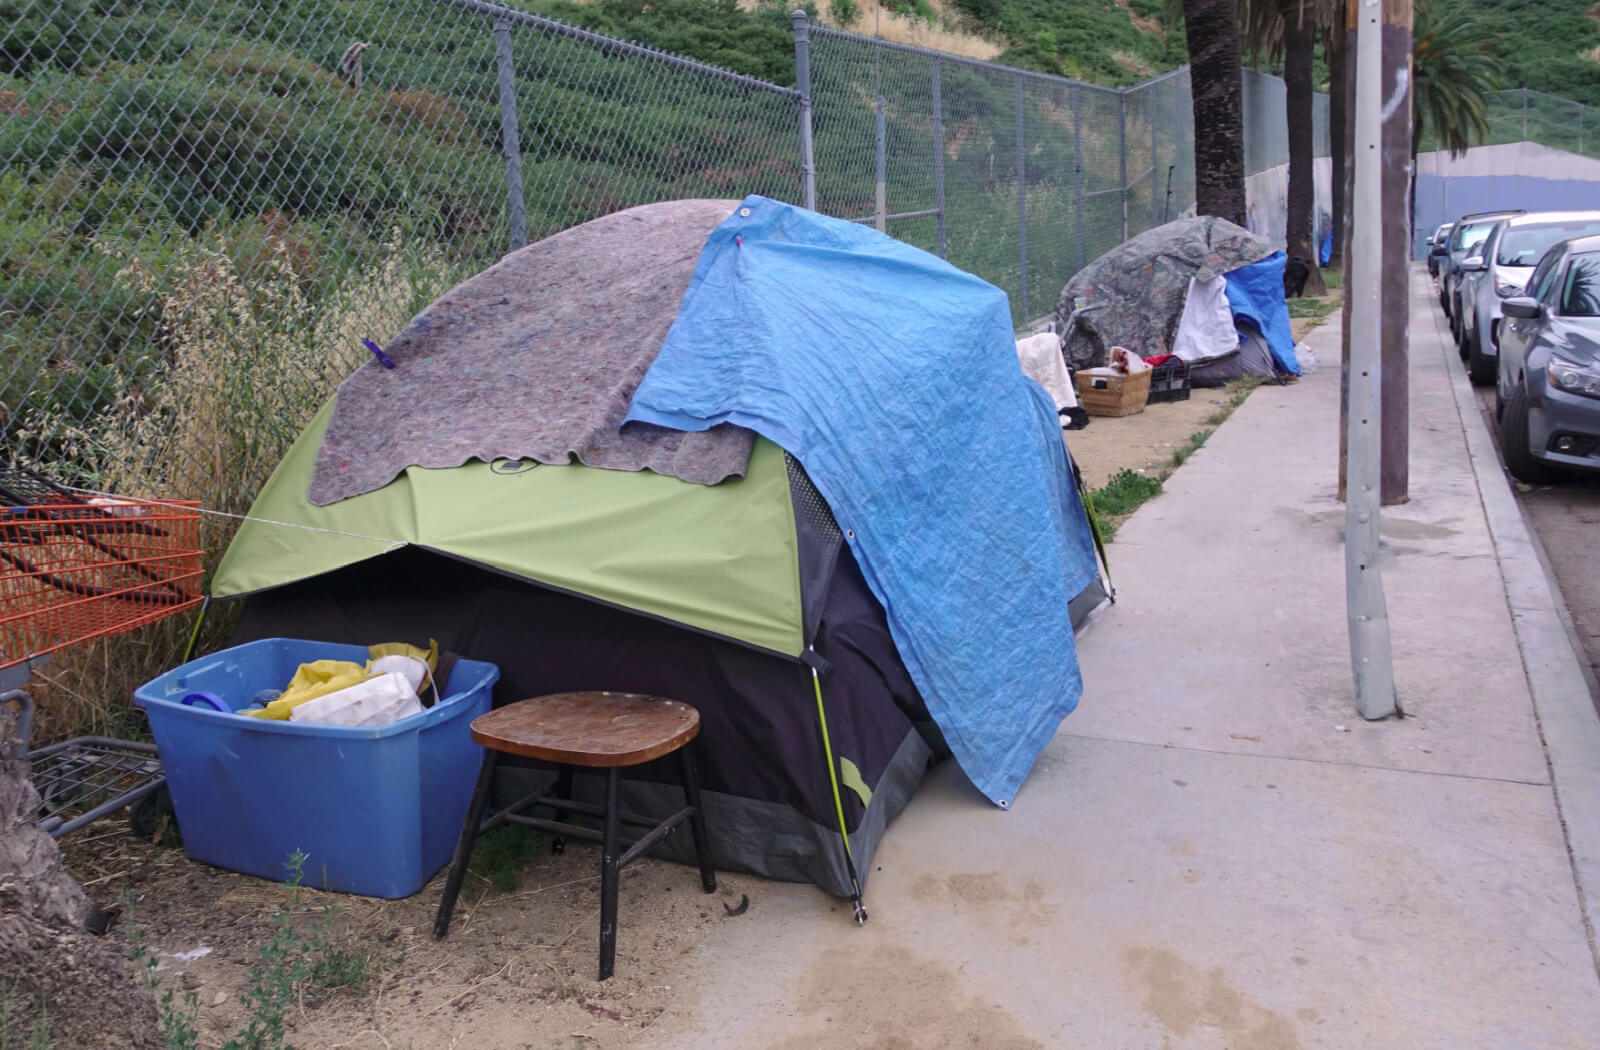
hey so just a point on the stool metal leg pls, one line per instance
(610, 853)
(464, 844)
(697, 822)
(558, 844)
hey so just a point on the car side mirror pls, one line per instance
(1474, 264)
(1521, 306)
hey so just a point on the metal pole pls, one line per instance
(1155, 157)
(1122, 156)
(802, 77)
(1181, 105)
(1077, 168)
(880, 138)
(1022, 202)
(938, 156)
(1366, 608)
(1524, 114)
(510, 142)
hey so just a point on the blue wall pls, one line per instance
(1441, 199)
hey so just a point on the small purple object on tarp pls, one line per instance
(377, 351)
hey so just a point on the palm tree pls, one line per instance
(1288, 30)
(1212, 32)
(1454, 76)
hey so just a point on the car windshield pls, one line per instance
(1525, 245)
(1580, 297)
(1471, 235)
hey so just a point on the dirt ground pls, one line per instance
(518, 969)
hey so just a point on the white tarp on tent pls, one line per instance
(1205, 330)
(1041, 360)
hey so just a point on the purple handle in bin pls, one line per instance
(211, 700)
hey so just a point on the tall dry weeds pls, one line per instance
(245, 364)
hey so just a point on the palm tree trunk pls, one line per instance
(1299, 52)
(1213, 38)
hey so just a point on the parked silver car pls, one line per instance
(1436, 247)
(1548, 391)
(1465, 239)
(1500, 270)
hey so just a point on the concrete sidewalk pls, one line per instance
(1216, 851)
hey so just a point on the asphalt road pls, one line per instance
(1566, 519)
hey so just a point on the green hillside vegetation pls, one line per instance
(1546, 45)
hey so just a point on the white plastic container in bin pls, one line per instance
(375, 810)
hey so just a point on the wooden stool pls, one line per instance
(598, 731)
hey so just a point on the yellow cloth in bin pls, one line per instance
(321, 677)
(429, 656)
(318, 678)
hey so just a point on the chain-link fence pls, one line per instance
(1522, 115)
(1018, 177)
(206, 206)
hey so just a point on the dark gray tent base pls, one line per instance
(1253, 358)
(751, 835)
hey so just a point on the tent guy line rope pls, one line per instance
(390, 543)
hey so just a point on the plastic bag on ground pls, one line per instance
(376, 702)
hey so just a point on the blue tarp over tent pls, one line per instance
(893, 378)
(1255, 294)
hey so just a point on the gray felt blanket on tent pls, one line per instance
(536, 358)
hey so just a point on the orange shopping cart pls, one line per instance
(74, 568)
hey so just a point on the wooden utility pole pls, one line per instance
(1396, 92)
(1379, 96)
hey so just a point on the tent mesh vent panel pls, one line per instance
(810, 504)
(819, 540)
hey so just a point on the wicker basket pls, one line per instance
(1113, 394)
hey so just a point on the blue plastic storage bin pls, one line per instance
(376, 811)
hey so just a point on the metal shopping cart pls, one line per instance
(74, 568)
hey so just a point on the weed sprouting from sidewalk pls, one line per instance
(1190, 447)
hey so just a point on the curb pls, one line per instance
(1558, 680)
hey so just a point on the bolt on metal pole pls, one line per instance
(1077, 168)
(802, 77)
(510, 141)
(938, 156)
(1122, 156)
(1022, 200)
(1366, 609)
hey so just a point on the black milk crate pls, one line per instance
(1169, 381)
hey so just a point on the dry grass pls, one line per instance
(246, 362)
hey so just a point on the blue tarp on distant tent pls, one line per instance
(893, 378)
(1255, 294)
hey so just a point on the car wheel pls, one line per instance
(1458, 334)
(1480, 369)
(1514, 441)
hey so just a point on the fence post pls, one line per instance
(1122, 156)
(1155, 157)
(511, 143)
(1178, 110)
(802, 78)
(1022, 200)
(938, 157)
(1077, 169)
(1524, 114)
(880, 139)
